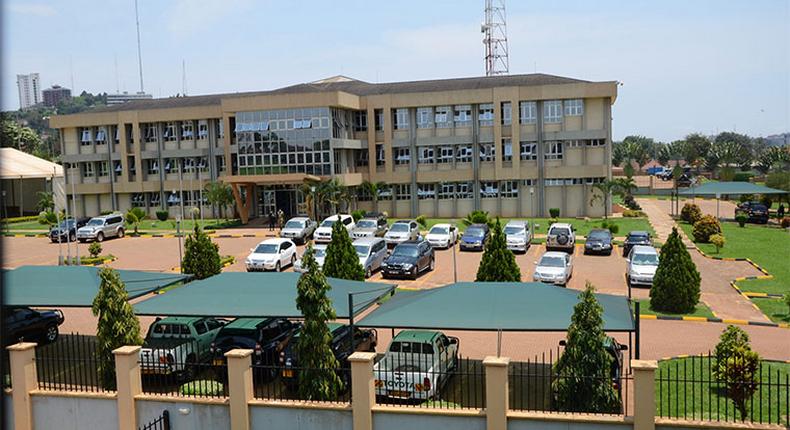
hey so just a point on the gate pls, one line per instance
(161, 423)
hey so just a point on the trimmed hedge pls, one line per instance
(15, 220)
(706, 227)
(691, 213)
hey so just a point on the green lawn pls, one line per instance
(702, 310)
(685, 388)
(582, 227)
(775, 309)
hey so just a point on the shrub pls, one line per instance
(612, 227)
(736, 366)
(95, 249)
(741, 218)
(105, 212)
(706, 227)
(201, 255)
(476, 217)
(785, 222)
(357, 214)
(676, 284)
(742, 176)
(718, 240)
(731, 338)
(631, 203)
(202, 387)
(498, 263)
(629, 213)
(134, 216)
(162, 215)
(787, 302)
(554, 212)
(766, 200)
(422, 220)
(690, 213)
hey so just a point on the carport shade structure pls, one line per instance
(718, 189)
(73, 286)
(242, 294)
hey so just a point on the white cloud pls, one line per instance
(189, 17)
(36, 9)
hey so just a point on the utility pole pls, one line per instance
(495, 38)
(139, 49)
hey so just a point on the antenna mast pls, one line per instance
(495, 38)
(183, 76)
(139, 50)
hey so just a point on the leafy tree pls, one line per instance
(690, 213)
(725, 154)
(706, 227)
(737, 366)
(48, 218)
(718, 241)
(676, 284)
(731, 338)
(220, 195)
(95, 249)
(374, 189)
(318, 379)
(779, 180)
(773, 158)
(46, 201)
(201, 255)
(476, 217)
(134, 216)
(498, 263)
(16, 136)
(341, 259)
(638, 149)
(117, 326)
(695, 149)
(583, 382)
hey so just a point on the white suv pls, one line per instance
(101, 227)
(323, 234)
(561, 237)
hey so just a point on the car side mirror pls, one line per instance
(252, 249)
(536, 263)
(627, 260)
(623, 347)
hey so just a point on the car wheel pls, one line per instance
(609, 252)
(121, 233)
(72, 237)
(368, 273)
(277, 267)
(415, 273)
(51, 334)
(99, 237)
(432, 266)
(293, 260)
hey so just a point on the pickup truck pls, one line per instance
(416, 365)
(177, 345)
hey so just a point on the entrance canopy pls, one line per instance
(717, 189)
(242, 294)
(488, 306)
(15, 164)
(73, 286)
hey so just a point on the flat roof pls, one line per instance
(730, 189)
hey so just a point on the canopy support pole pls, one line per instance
(636, 334)
(351, 322)
(499, 342)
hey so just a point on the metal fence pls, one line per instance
(161, 423)
(688, 388)
(184, 369)
(71, 363)
(286, 383)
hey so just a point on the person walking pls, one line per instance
(271, 221)
(280, 218)
(781, 211)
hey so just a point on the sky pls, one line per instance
(685, 66)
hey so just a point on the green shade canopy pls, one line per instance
(729, 188)
(484, 306)
(242, 294)
(73, 285)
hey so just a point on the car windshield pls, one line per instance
(95, 222)
(439, 230)
(399, 227)
(552, 261)
(474, 232)
(366, 223)
(637, 236)
(598, 235)
(362, 250)
(556, 231)
(645, 260)
(267, 248)
(405, 251)
(513, 230)
(328, 222)
(294, 224)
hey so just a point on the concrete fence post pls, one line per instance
(644, 394)
(22, 359)
(128, 385)
(239, 387)
(363, 393)
(496, 392)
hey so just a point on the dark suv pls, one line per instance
(364, 340)
(267, 337)
(756, 211)
(28, 325)
(409, 259)
(636, 238)
(67, 230)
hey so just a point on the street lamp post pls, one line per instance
(178, 233)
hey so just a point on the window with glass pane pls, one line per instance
(442, 117)
(150, 132)
(87, 170)
(463, 190)
(489, 189)
(527, 112)
(187, 131)
(462, 115)
(529, 151)
(485, 115)
(401, 155)
(508, 189)
(202, 129)
(487, 152)
(446, 153)
(464, 154)
(385, 193)
(574, 107)
(425, 117)
(155, 198)
(138, 200)
(101, 136)
(553, 150)
(403, 191)
(170, 132)
(426, 191)
(595, 142)
(447, 191)
(85, 139)
(380, 156)
(401, 119)
(507, 149)
(152, 167)
(507, 113)
(379, 119)
(552, 111)
(360, 120)
(189, 164)
(425, 154)
(362, 157)
(117, 168)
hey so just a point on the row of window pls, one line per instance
(174, 165)
(170, 130)
(463, 153)
(191, 198)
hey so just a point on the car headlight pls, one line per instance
(408, 266)
(384, 264)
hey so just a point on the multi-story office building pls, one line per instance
(29, 87)
(511, 145)
(53, 96)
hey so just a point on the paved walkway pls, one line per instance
(716, 275)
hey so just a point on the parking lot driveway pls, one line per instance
(717, 293)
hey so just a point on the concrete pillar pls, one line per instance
(644, 394)
(22, 359)
(129, 385)
(363, 394)
(496, 392)
(239, 387)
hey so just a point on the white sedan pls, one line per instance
(442, 235)
(554, 268)
(271, 254)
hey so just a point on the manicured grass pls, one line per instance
(775, 309)
(186, 225)
(686, 388)
(26, 226)
(702, 310)
(582, 227)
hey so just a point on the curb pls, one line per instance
(224, 265)
(714, 320)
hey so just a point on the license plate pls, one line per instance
(288, 373)
(403, 394)
(218, 362)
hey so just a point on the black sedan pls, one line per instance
(757, 212)
(409, 259)
(636, 238)
(598, 241)
(29, 325)
(67, 230)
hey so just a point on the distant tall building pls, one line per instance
(53, 96)
(29, 87)
(117, 99)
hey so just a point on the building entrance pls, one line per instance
(273, 198)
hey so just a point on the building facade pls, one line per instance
(29, 87)
(121, 98)
(514, 145)
(53, 96)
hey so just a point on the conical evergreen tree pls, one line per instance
(118, 325)
(318, 379)
(341, 259)
(201, 255)
(676, 282)
(583, 382)
(498, 263)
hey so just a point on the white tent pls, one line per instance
(23, 175)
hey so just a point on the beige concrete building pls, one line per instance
(511, 145)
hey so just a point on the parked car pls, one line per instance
(29, 325)
(642, 264)
(371, 251)
(685, 180)
(267, 337)
(178, 345)
(320, 253)
(442, 235)
(371, 225)
(475, 237)
(598, 241)
(101, 227)
(271, 254)
(298, 229)
(364, 340)
(554, 268)
(614, 349)
(636, 238)
(756, 211)
(409, 259)
(402, 231)
(323, 234)
(561, 236)
(416, 365)
(67, 230)
(518, 235)
(667, 174)
(656, 170)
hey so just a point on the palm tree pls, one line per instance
(46, 201)
(605, 188)
(374, 189)
(219, 194)
(334, 193)
(134, 216)
(309, 190)
(624, 186)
